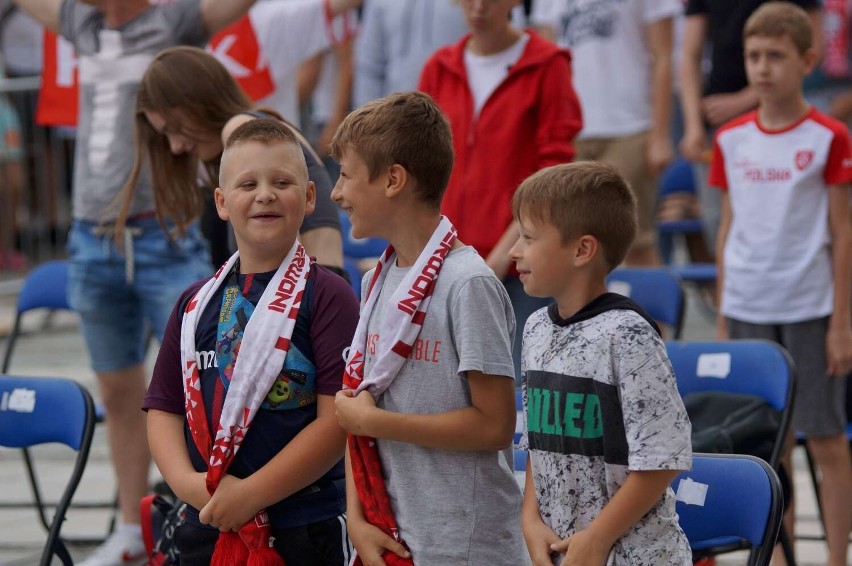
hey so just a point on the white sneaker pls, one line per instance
(124, 547)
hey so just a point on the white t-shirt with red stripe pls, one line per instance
(777, 255)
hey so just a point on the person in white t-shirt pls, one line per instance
(785, 241)
(622, 63)
(288, 33)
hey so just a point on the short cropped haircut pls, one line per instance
(587, 197)
(265, 131)
(262, 130)
(779, 19)
(405, 128)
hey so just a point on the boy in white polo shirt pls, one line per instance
(784, 242)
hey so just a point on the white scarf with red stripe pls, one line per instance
(264, 346)
(403, 316)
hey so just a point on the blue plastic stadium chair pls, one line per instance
(359, 248)
(38, 410)
(696, 272)
(520, 456)
(655, 289)
(44, 288)
(730, 502)
(354, 275)
(753, 367)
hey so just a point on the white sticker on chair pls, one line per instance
(714, 365)
(620, 287)
(691, 492)
(20, 400)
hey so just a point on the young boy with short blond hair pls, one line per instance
(605, 427)
(240, 407)
(785, 242)
(430, 368)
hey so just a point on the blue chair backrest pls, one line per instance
(677, 177)
(657, 290)
(354, 275)
(36, 410)
(45, 288)
(729, 497)
(753, 367)
(359, 248)
(520, 456)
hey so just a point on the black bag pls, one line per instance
(732, 423)
(161, 515)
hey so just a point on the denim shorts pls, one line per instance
(120, 294)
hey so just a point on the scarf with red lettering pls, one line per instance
(835, 61)
(264, 347)
(402, 322)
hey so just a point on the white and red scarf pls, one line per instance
(265, 343)
(402, 322)
(835, 61)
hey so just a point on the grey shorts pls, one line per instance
(819, 408)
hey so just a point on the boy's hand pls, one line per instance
(230, 507)
(539, 538)
(838, 347)
(353, 412)
(371, 542)
(582, 549)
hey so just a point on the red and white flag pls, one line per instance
(236, 47)
(57, 101)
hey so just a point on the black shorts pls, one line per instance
(325, 543)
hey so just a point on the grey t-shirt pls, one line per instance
(111, 64)
(452, 507)
(600, 401)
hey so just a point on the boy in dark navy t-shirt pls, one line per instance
(289, 462)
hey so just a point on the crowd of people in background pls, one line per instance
(164, 126)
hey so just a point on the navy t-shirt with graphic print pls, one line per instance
(314, 366)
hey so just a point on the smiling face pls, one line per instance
(362, 199)
(775, 67)
(543, 261)
(204, 146)
(265, 193)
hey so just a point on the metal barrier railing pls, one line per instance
(41, 199)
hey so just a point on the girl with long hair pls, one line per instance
(186, 106)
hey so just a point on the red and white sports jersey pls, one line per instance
(777, 255)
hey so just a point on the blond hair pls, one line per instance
(586, 197)
(266, 131)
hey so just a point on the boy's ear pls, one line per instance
(397, 179)
(310, 197)
(810, 57)
(221, 209)
(587, 250)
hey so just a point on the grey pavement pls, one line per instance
(52, 346)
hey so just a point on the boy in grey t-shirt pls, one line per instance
(443, 410)
(605, 427)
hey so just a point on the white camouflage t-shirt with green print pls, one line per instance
(600, 401)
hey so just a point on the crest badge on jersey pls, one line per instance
(804, 158)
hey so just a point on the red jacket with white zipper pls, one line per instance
(526, 124)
